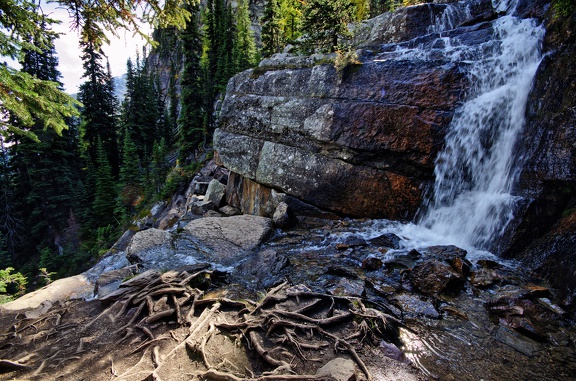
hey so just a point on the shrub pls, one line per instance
(12, 285)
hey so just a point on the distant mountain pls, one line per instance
(119, 87)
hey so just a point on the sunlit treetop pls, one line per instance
(24, 27)
(95, 17)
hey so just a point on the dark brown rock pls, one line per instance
(361, 143)
(548, 180)
(371, 263)
(447, 253)
(433, 277)
(389, 240)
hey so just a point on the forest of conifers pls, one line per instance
(75, 174)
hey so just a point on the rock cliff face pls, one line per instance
(549, 175)
(362, 140)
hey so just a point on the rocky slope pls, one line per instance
(362, 140)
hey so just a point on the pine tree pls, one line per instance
(105, 190)
(99, 112)
(129, 183)
(32, 99)
(191, 130)
(244, 47)
(324, 21)
(10, 220)
(271, 28)
(45, 172)
(141, 112)
(291, 13)
(159, 165)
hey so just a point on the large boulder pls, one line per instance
(360, 140)
(361, 143)
(61, 290)
(229, 239)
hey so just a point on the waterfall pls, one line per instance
(473, 200)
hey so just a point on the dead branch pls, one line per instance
(326, 321)
(264, 353)
(9, 365)
(215, 375)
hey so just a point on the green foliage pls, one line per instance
(272, 33)
(345, 58)
(177, 178)
(44, 173)
(281, 24)
(325, 21)
(130, 190)
(100, 105)
(12, 285)
(142, 109)
(22, 95)
(407, 3)
(245, 55)
(46, 275)
(32, 99)
(29, 99)
(564, 8)
(104, 192)
(191, 129)
(10, 219)
(4, 256)
(159, 165)
(105, 237)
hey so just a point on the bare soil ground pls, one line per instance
(176, 326)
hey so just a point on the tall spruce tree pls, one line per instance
(10, 219)
(130, 180)
(45, 172)
(99, 112)
(218, 55)
(141, 114)
(245, 54)
(324, 21)
(272, 40)
(159, 165)
(105, 190)
(191, 129)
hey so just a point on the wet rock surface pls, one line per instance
(494, 330)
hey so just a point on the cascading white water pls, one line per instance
(472, 201)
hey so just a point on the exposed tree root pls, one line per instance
(289, 332)
(215, 375)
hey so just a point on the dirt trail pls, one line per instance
(181, 326)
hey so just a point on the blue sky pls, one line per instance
(118, 52)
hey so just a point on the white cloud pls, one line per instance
(68, 50)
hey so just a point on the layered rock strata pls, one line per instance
(359, 140)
